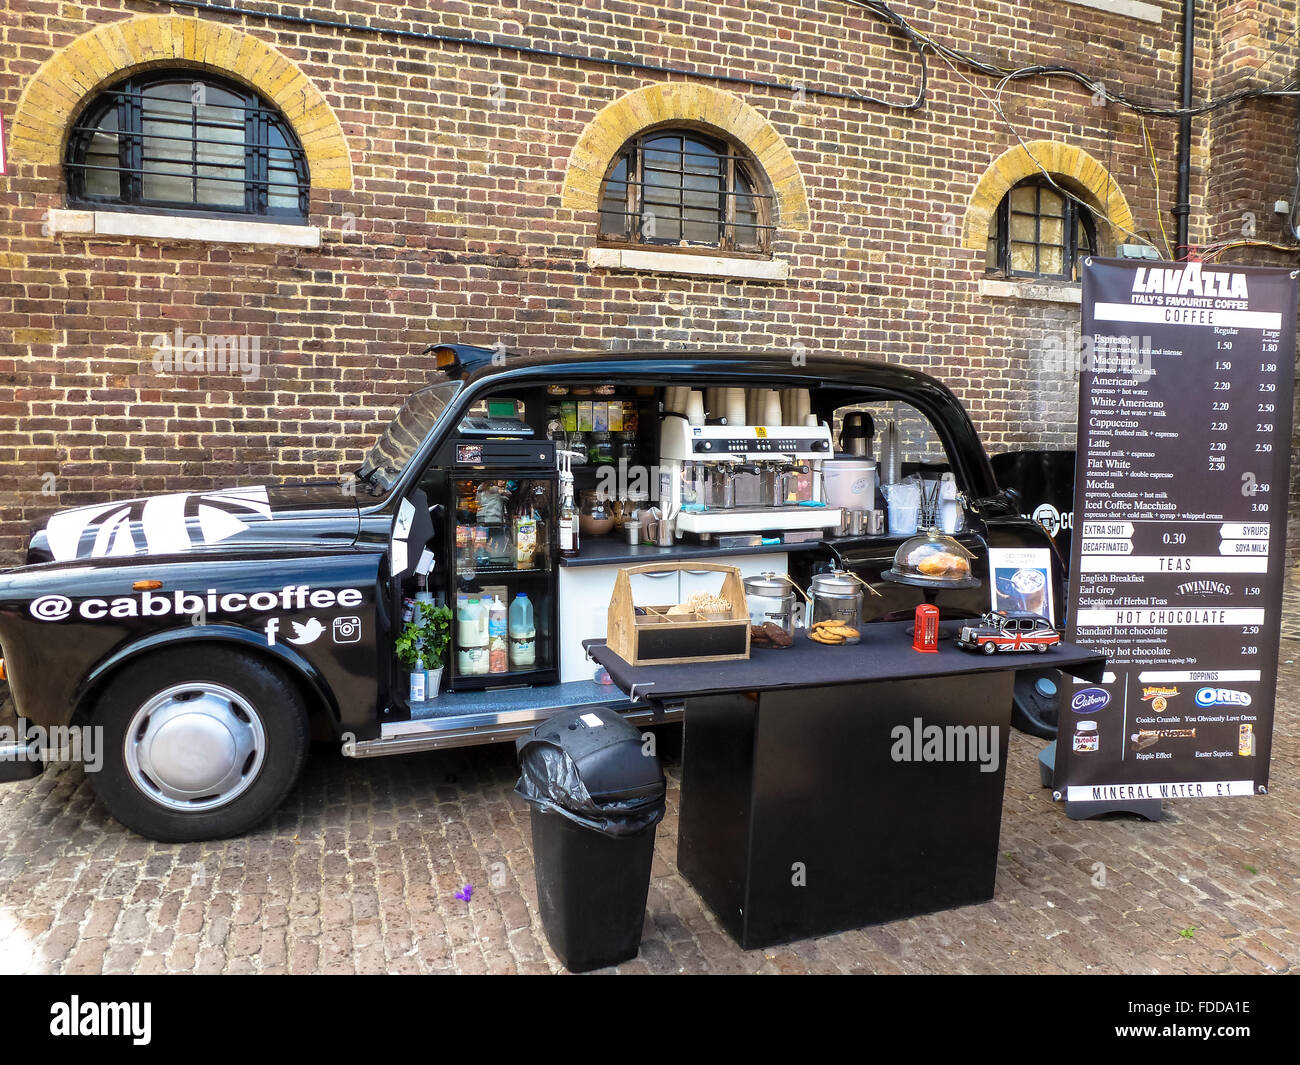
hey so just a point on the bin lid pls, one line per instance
(607, 752)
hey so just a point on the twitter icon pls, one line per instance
(302, 633)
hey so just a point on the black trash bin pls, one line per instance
(596, 798)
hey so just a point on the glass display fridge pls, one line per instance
(502, 564)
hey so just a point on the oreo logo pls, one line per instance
(1222, 697)
(1090, 700)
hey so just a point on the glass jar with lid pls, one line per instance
(837, 597)
(770, 597)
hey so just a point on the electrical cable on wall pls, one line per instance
(916, 39)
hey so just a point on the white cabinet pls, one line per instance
(585, 592)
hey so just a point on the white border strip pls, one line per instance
(1131, 8)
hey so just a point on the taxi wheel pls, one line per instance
(990, 648)
(198, 744)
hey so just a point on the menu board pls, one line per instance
(1180, 512)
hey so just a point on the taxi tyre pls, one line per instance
(990, 648)
(254, 725)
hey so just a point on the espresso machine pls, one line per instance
(701, 465)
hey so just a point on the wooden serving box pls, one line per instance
(657, 638)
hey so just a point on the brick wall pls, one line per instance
(451, 222)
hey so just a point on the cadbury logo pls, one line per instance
(1090, 700)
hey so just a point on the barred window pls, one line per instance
(1037, 232)
(681, 188)
(177, 142)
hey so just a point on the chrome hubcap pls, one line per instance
(195, 747)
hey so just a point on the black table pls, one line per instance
(827, 788)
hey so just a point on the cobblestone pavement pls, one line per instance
(358, 874)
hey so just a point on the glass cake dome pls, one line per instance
(931, 556)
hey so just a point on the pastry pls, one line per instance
(944, 564)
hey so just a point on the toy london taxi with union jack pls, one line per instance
(1004, 630)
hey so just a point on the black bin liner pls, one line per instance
(596, 798)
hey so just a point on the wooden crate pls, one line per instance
(657, 638)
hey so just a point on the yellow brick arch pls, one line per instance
(71, 77)
(697, 106)
(1075, 169)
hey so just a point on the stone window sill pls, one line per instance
(669, 262)
(181, 227)
(1132, 8)
(1041, 291)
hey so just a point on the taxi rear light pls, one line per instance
(3, 674)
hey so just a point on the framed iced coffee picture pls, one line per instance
(1022, 580)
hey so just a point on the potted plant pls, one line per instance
(409, 651)
(420, 647)
(435, 628)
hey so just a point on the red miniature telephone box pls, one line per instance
(926, 634)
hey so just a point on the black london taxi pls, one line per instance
(205, 637)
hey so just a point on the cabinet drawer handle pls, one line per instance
(658, 574)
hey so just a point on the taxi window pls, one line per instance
(922, 450)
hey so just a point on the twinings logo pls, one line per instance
(1190, 281)
(1206, 588)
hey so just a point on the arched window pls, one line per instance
(681, 188)
(175, 141)
(1037, 232)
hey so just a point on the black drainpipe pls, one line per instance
(1183, 205)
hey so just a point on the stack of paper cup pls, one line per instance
(802, 406)
(772, 408)
(713, 403)
(695, 407)
(733, 405)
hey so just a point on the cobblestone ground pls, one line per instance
(358, 874)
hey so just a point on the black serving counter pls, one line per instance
(885, 653)
(827, 788)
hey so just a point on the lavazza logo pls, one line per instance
(293, 597)
(1190, 281)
